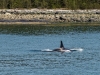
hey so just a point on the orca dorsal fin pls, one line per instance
(61, 45)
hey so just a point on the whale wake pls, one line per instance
(70, 50)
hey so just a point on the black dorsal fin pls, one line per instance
(61, 45)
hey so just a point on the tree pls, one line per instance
(69, 4)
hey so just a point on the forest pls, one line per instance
(50, 4)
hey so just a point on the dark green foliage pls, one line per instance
(67, 4)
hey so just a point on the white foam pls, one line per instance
(78, 49)
(47, 50)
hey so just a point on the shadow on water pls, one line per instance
(41, 29)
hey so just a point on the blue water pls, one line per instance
(21, 50)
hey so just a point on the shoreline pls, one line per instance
(48, 16)
(51, 24)
(25, 23)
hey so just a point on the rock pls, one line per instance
(62, 18)
(51, 15)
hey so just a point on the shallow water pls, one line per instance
(21, 50)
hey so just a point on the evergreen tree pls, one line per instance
(68, 4)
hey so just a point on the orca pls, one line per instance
(62, 48)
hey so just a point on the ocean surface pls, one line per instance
(25, 50)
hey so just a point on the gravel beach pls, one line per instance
(44, 16)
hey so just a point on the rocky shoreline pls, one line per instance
(45, 16)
